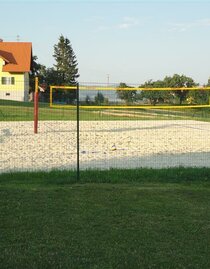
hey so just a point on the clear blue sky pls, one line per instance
(132, 41)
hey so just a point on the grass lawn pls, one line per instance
(23, 111)
(112, 219)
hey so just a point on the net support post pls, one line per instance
(36, 105)
(78, 130)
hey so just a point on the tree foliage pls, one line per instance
(199, 97)
(179, 81)
(129, 96)
(154, 97)
(65, 71)
(66, 63)
(37, 70)
(99, 98)
(176, 81)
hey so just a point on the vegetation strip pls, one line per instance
(142, 175)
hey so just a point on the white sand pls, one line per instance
(153, 144)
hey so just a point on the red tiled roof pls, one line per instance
(17, 55)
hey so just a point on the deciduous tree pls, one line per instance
(155, 96)
(129, 96)
(179, 81)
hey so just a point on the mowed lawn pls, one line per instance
(24, 111)
(112, 219)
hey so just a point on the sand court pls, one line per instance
(104, 144)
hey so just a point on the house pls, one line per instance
(15, 65)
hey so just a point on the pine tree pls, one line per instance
(66, 63)
(66, 70)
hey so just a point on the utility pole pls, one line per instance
(107, 79)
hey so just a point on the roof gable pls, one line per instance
(17, 55)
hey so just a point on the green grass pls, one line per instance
(112, 219)
(23, 111)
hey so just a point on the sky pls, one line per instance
(117, 41)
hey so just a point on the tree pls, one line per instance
(99, 98)
(154, 96)
(87, 100)
(129, 96)
(176, 81)
(198, 97)
(66, 71)
(38, 70)
(66, 63)
(179, 81)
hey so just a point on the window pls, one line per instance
(7, 94)
(7, 80)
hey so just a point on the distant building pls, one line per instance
(15, 65)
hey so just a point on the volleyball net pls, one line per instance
(113, 97)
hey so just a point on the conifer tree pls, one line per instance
(66, 70)
(66, 62)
